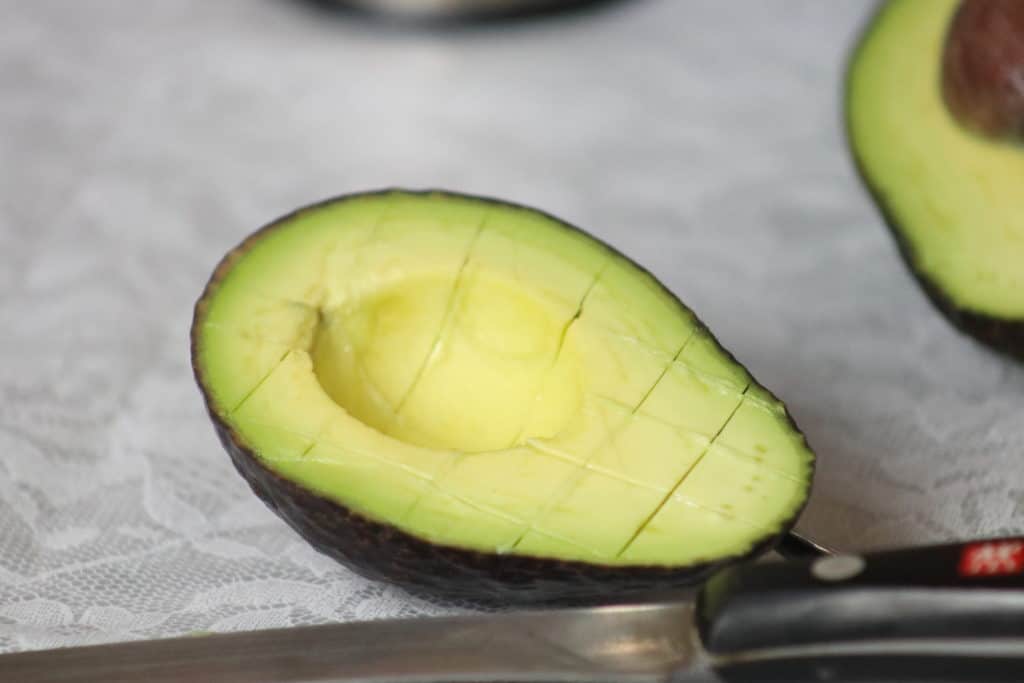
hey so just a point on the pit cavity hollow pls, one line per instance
(472, 363)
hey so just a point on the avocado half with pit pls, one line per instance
(477, 400)
(953, 198)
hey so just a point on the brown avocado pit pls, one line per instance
(983, 67)
(476, 400)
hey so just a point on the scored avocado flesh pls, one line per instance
(952, 196)
(483, 376)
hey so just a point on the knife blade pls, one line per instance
(622, 644)
(951, 613)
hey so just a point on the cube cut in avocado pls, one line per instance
(477, 400)
(951, 197)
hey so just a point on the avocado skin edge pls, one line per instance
(380, 551)
(1001, 334)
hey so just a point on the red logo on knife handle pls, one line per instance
(993, 558)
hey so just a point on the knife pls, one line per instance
(951, 613)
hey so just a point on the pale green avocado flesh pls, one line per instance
(953, 196)
(483, 376)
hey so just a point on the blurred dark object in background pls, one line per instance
(457, 10)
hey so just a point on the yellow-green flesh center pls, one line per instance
(956, 197)
(483, 376)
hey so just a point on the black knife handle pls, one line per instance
(943, 613)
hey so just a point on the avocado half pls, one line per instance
(952, 198)
(479, 401)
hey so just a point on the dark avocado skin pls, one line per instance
(380, 551)
(1003, 335)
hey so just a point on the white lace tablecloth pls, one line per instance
(140, 140)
